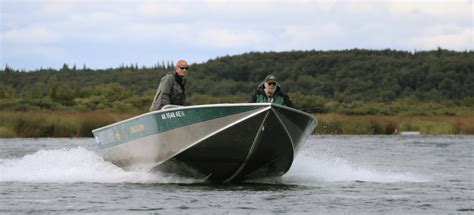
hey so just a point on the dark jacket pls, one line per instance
(278, 97)
(171, 91)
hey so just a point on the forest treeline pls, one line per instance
(385, 82)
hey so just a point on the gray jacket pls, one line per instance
(170, 92)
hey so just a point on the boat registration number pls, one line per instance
(172, 115)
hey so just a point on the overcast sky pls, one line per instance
(107, 33)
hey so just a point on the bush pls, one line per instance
(6, 132)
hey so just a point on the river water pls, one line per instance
(331, 175)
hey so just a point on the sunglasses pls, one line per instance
(272, 83)
(184, 68)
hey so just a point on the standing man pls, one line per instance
(269, 91)
(171, 90)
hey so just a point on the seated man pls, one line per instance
(269, 91)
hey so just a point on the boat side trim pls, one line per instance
(251, 151)
(293, 109)
(158, 123)
(183, 108)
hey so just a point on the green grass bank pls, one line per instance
(80, 124)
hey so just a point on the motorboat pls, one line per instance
(218, 142)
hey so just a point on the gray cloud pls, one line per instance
(108, 33)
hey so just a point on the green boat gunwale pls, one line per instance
(202, 106)
(153, 122)
(184, 108)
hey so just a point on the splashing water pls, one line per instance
(309, 168)
(81, 165)
(75, 165)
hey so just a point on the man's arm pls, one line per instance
(162, 96)
(288, 101)
(254, 98)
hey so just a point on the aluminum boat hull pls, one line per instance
(220, 142)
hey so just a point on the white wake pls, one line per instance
(75, 165)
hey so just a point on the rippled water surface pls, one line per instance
(332, 174)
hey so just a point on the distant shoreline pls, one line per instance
(80, 124)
